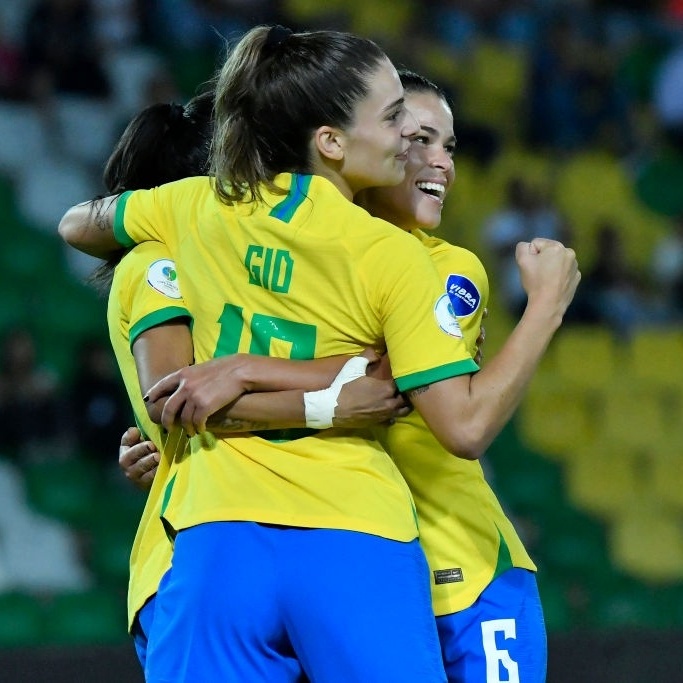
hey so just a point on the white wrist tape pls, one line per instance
(319, 405)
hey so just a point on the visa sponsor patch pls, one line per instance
(443, 312)
(463, 295)
(162, 276)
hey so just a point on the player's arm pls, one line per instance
(468, 411)
(89, 227)
(244, 392)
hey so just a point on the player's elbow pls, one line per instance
(68, 228)
(467, 440)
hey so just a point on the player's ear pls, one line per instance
(329, 142)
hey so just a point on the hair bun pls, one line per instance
(276, 37)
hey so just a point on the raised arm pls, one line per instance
(89, 227)
(467, 412)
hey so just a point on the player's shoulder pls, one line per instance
(139, 260)
(438, 246)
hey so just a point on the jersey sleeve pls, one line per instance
(467, 288)
(148, 215)
(149, 289)
(423, 338)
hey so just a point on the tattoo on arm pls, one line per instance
(101, 220)
(228, 424)
(418, 390)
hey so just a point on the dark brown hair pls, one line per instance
(271, 94)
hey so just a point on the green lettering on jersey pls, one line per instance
(269, 268)
(300, 337)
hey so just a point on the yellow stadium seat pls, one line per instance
(633, 415)
(494, 85)
(665, 477)
(469, 204)
(646, 542)
(306, 11)
(592, 187)
(384, 20)
(602, 480)
(656, 355)
(586, 357)
(554, 419)
(513, 161)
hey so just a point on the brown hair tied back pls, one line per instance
(176, 113)
(276, 36)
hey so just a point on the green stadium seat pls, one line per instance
(627, 607)
(111, 526)
(96, 617)
(65, 489)
(32, 257)
(109, 554)
(557, 611)
(21, 620)
(527, 483)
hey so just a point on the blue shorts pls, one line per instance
(141, 628)
(501, 638)
(269, 604)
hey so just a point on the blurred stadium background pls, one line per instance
(569, 117)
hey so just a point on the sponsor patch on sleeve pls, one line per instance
(462, 294)
(162, 276)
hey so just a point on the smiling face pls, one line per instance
(375, 145)
(429, 172)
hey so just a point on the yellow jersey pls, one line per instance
(303, 274)
(145, 293)
(464, 532)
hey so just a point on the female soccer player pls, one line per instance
(321, 276)
(484, 591)
(149, 330)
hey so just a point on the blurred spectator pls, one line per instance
(61, 52)
(117, 24)
(612, 292)
(12, 80)
(524, 215)
(667, 268)
(571, 89)
(668, 97)
(32, 407)
(100, 406)
(201, 24)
